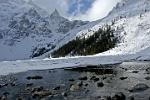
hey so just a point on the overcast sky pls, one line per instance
(79, 9)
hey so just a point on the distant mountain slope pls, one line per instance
(130, 20)
(28, 31)
(102, 40)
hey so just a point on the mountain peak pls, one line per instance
(55, 13)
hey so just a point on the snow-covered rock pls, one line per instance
(28, 31)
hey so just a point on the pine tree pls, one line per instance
(102, 40)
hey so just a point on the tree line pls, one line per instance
(102, 40)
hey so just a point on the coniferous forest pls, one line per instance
(102, 40)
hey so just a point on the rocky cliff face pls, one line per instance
(25, 28)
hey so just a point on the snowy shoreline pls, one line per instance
(9, 67)
(131, 79)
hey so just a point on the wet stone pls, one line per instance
(104, 78)
(147, 78)
(56, 88)
(19, 98)
(119, 96)
(86, 84)
(83, 78)
(108, 98)
(131, 98)
(77, 86)
(3, 98)
(6, 93)
(13, 84)
(80, 83)
(98, 97)
(65, 94)
(41, 94)
(139, 87)
(123, 78)
(71, 80)
(86, 91)
(148, 69)
(29, 84)
(74, 88)
(135, 71)
(94, 78)
(100, 84)
(40, 88)
(3, 85)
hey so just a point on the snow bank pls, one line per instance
(8, 67)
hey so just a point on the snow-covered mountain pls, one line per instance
(130, 20)
(27, 31)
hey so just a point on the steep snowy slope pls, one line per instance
(28, 31)
(130, 19)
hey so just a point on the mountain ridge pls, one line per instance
(130, 20)
(25, 28)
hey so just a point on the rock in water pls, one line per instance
(100, 84)
(80, 83)
(83, 78)
(123, 78)
(64, 94)
(139, 87)
(147, 78)
(75, 88)
(56, 88)
(119, 96)
(41, 94)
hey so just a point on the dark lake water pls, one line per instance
(115, 78)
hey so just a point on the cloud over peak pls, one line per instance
(79, 9)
